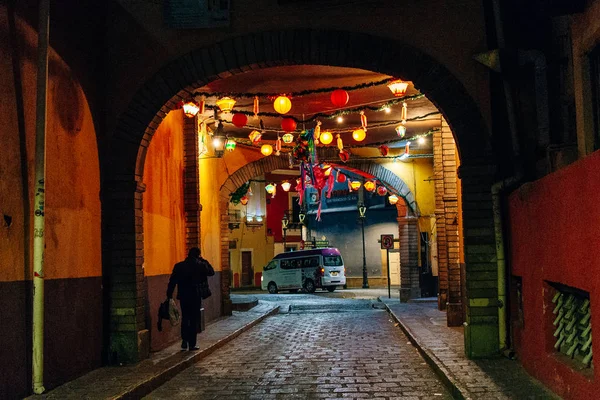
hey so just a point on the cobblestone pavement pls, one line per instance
(312, 355)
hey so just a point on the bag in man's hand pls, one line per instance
(204, 290)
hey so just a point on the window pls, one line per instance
(270, 266)
(595, 83)
(332, 261)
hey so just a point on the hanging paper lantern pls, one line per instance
(340, 144)
(270, 188)
(339, 97)
(363, 120)
(355, 185)
(255, 108)
(393, 199)
(244, 200)
(225, 104)
(240, 120)
(278, 146)
(381, 190)
(230, 145)
(190, 109)
(404, 113)
(344, 155)
(266, 149)
(282, 105)
(201, 104)
(327, 170)
(288, 138)
(317, 131)
(326, 137)
(398, 87)
(370, 186)
(401, 130)
(288, 124)
(407, 148)
(384, 150)
(341, 178)
(285, 185)
(359, 135)
(255, 136)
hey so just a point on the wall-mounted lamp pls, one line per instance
(219, 145)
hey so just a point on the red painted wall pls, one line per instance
(555, 236)
(278, 205)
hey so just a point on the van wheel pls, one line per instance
(330, 288)
(272, 288)
(309, 286)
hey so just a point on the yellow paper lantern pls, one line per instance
(326, 137)
(370, 186)
(270, 188)
(393, 199)
(288, 138)
(266, 149)
(282, 105)
(225, 104)
(285, 185)
(355, 185)
(359, 135)
(398, 87)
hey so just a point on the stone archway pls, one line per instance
(123, 162)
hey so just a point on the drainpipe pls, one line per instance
(38, 218)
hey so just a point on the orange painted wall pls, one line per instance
(164, 224)
(72, 206)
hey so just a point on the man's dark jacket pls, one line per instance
(188, 275)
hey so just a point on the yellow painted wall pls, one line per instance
(72, 209)
(210, 233)
(164, 223)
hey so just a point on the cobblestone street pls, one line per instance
(354, 353)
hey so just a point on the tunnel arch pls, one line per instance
(123, 163)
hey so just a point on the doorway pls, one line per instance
(247, 273)
(395, 268)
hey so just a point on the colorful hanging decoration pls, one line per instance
(384, 150)
(278, 146)
(355, 185)
(225, 104)
(317, 132)
(359, 135)
(393, 199)
(407, 149)
(363, 120)
(190, 109)
(404, 113)
(340, 143)
(326, 137)
(327, 169)
(381, 190)
(282, 104)
(370, 186)
(401, 130)
(255, 137)
(341, 178)
(285, 185)
(266, 150)
(240, 193)
(230, 145)
(202, 104)
(255, 108)
(288, 124)
(339, 98)
(240, 120)
(398, 87)
(271, 188)
(344, 155)
(244, 200)
(288, 138)
(290, 160)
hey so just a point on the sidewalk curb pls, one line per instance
(143, 388)
(457, 390)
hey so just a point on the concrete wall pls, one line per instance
(72, 267)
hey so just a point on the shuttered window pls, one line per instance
(595, 82)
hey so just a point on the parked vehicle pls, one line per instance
(305, 269)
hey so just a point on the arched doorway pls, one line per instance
(123, 167)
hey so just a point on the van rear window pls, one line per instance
(332, 261)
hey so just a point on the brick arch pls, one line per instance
(123, 160)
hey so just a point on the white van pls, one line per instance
(305, 269)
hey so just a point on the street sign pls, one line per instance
(387, 242)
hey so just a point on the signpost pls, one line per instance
(387, 243)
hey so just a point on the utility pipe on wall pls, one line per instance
(38, 209)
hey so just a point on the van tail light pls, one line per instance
(344, 271)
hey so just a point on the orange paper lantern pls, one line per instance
(370, 186)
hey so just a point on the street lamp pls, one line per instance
(362, 210)
(219, 145)
(284, 224)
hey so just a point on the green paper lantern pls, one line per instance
(230, 145)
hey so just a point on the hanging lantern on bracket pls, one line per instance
(190, 109)
(398, 87)
(282, 104)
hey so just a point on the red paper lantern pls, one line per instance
(344, 155)
(384, 150)
(244, 200)
(239, 120)
(381, 190)
(341, 178)
(288, 124)
(339, 97)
